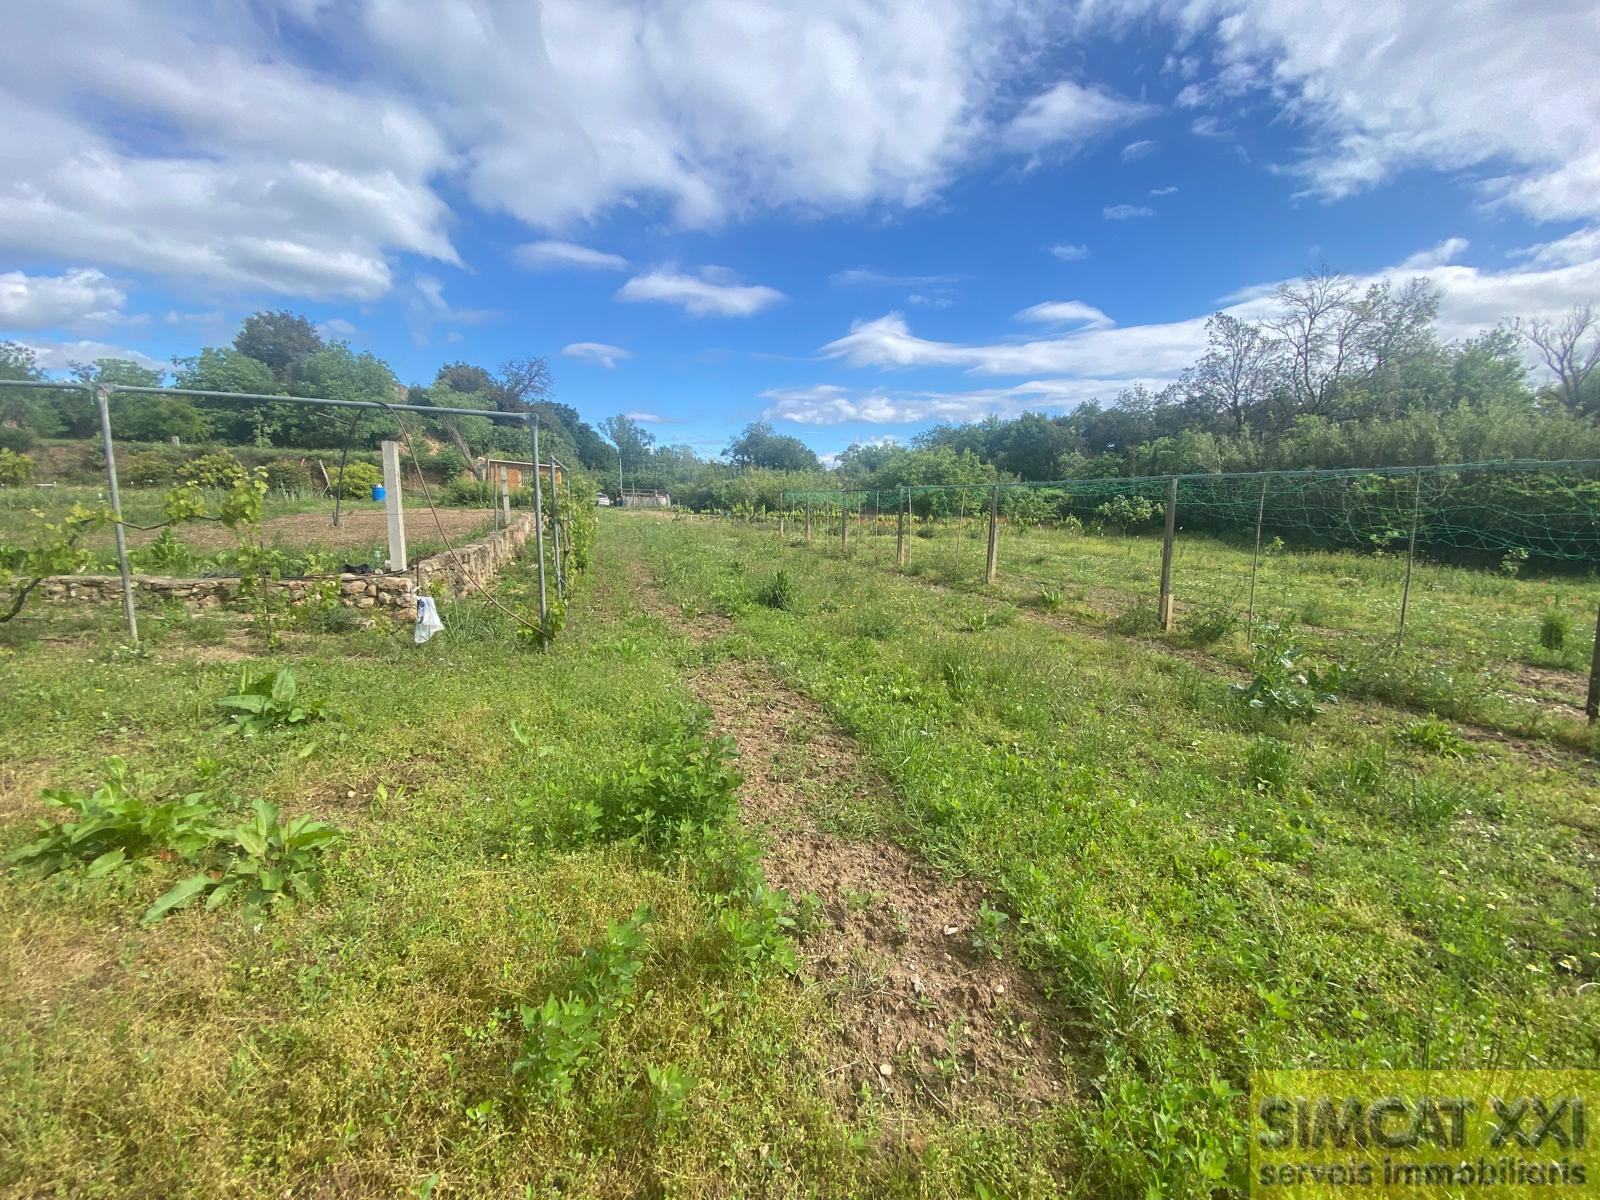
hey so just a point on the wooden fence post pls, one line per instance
(990, 564)
(1164, 605)
(1255, 562)
(1591, 707)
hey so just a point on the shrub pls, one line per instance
(165, 555)
(267, 703)
(443, 464)
(358, 481)
(219, 469)
(1204, 626)
(150, 468)
(287, 475)
(16, 438)
(1554, 627)
(15, 469)
(1126, 511)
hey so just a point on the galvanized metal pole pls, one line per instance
(538, 524)
(1164, 604)
(102, 395)
(844, 525)
(991, 560)
(1255, 562)
(1411, 555)
(808, 522)
(900, 531)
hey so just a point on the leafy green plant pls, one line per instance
(670, 1087)
(1051, 599)
(779, 591)
(359, 480)
(268, 860)
(1125, 512)
(1554, 628)
(114, 825)
(755, 929)
(165, 554)
(1205, 626)
(684, 783)
(1269, 765)
(1436, 737)
(1512, 562)
(266, 703)
(988, 932)
(15, 469)
(1283, 687)
(217, 470)
(562, 1034)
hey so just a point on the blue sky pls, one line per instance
(850, 219)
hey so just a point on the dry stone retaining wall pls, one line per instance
(442, 575)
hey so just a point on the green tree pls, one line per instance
(760, 446)
(281, 340)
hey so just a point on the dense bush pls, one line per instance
(16, 438)
(287, 475)
(14, 468)
(219, 469)
(358, 480)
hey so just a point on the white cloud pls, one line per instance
(1473, 300)
(1070, 114)
(712, 292)
(1164, 191)
(336, 329)
(81, 297)
(598, 353)
(870, 277)
(1134, 151)
(1069, 252)
(1125, 212)
(830, 404)
(552, 256)
(1066, 312)
(646, 418)
(1386, 87)
(1446, 251)
(58, 356)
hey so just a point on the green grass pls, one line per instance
(1218, 892)
(1203, 891)
(1477, 622)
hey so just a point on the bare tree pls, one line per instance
(1570, 348)
(1331, 337)
(1234, 377)
(523, 382)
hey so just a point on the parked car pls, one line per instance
(602, 501)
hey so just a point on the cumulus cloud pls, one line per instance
(1126, 212)
(1473, 300)
(1070, 114)
(1069, 251)
(1436, 256)
(1066, 312)
(598, 353)
(58, 356)
(1164, 191)
(830, 404)
(712, 292)
(553, 256)
(1383, 88)
(81, 297)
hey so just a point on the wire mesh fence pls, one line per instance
(1485, 562)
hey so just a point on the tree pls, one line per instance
(282, 340)
(634, 443)
(1234, 377)
(523, 382)
(760, 446)
(1570, 347)
(224, 369)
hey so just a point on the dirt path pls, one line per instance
(924, 1017)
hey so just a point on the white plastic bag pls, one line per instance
(428, 622)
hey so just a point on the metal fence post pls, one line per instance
(1250, 612)
(808, 522)
(900, 531)
(102, 397)
(1411, 555)
(538, 525)
(844, 525)
(990, 562)
(1164, 604)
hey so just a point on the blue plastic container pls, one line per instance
(377, 491)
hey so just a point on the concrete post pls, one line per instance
(393, 506)
(900, 531)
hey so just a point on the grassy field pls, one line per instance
(1053, 893)
(1522, 643)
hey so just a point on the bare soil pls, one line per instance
(360, 527)
(924, 1018)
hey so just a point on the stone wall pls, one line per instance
(439, 575)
